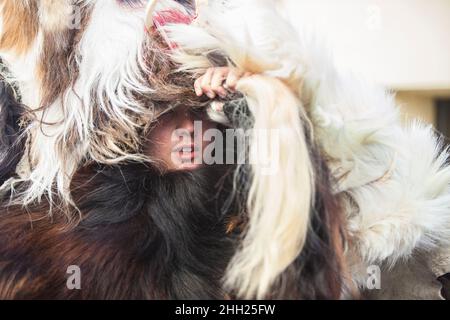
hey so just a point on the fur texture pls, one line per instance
(11, 132)
(142, 236)
(95, 90)
(396, 202)
(169, 88)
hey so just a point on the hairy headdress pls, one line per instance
(94, 76)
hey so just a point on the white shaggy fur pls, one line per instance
(278, 210)
(398, 178)
(111, 66)
(279, 214)
(111, 70)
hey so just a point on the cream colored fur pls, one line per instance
(398, 178)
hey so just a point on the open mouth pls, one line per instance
(186, 152)
(187, 156)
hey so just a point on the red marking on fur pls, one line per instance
(171, 16)
(164, 17)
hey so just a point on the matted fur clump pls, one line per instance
(347, 173)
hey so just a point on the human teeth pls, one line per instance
(187, 149)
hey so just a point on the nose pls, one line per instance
(186, 121)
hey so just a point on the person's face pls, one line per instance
(172, 142)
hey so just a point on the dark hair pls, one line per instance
(12, 140)
(319, 272)
(143, 235)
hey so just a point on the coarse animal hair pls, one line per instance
(285, 215)
(84, 84)
(144, 235)
(94, 91)
(104, 97)
(392, 207)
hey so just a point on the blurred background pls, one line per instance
(403, 45)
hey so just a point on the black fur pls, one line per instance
(11, 140)
(142, 236)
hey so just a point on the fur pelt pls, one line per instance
(92, 96)
(396, 202)
(92, 91)
(142, 235)
(147, 235)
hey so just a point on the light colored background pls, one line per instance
(401, 44)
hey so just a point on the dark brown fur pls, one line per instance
(12, 140)
(142, 236)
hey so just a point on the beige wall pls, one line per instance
(401, 44)
(404, 44)
(416, 105)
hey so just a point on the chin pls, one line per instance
(189, 167)
(84, 88)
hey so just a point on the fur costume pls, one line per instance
(397, 204)
(173, 233)
(144, 235)
(93, 91)
(141, 236)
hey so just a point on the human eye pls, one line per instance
(132, 3)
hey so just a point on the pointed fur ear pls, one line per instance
(12, 140)
(55, 15)
(149, 13)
